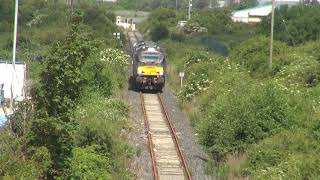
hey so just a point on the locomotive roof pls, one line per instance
(145, 45)
(150, 54)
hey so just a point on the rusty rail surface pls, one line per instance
(146, 123)
(175, 138)
(168, 161)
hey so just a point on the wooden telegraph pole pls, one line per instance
(271, 36)
(176, 4)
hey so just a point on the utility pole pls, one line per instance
(176, 4)
(190, 5)
(71, 3)
(271, 36)
(14, 47)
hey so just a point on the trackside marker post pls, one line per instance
(181, 75)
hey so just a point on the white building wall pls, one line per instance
(6, 79)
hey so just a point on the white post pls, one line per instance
(271, 36)
(14, 51)
(190, 5)
(181, 75)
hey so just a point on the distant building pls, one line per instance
(126, 24)
(181, 23)
(19, 79)
(281, 2)
(251, 15)
(221, 3)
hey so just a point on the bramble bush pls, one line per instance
(303, 71)
(106, 70)
(242, 116)
(253, 54)
(86, 163)
(286, 155)
(102, 125)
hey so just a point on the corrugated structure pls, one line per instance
(252, 15)
(255, 14)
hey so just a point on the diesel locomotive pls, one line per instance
(149, 64)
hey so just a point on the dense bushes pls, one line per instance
(266, 119)
(99, 137)
(6, 18)
(295, 25)
(74, 129)
(242, 117)
(237, 111)
(217, 21)
(253, 54)
(288, 155)
(87, 164)
(159, 32)
(161, 17)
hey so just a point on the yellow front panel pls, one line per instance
(150, 70)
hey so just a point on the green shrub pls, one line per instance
(303, 71)
(52, 35)
(159, 32)
(96, 17)
(12, 166)
(86, 163)
(294, 25)
(253, 54)
(177, 37)
(242, 116)
(106, 70)
(287, 155)
(217, 21)
(102, 123)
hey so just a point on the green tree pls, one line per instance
(60, 87)
(253, 55)
(294, 25)
(6, 15)
(247, 4)
(217, 21)
(61, 81)
(159, 32)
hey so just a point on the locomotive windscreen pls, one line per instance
(150, 57)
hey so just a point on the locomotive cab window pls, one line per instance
(150, 57)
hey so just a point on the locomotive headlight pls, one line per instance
(140, 72)
(161, 73)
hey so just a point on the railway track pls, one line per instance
(168, 162)
(134, 37)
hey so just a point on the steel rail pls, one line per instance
(151, 147)
(175, 138)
